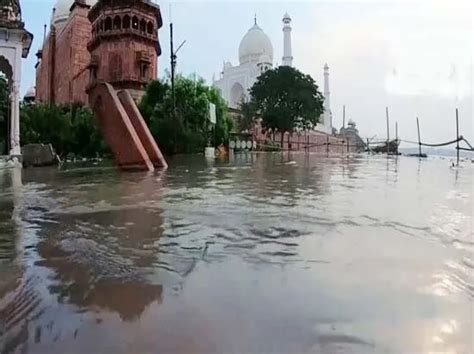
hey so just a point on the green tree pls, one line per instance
(69, 129)
(285, 99)
(185, 129)
(246, 116)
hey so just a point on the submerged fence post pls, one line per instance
(419, 139)
(307, 142)
(457, 137)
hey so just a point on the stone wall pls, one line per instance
(118, 63)
(68, 68)
(312, 141)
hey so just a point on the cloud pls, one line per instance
(411, 56)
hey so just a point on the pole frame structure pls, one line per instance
(419, 136)
(457, 137)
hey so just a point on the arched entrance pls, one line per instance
(6, 75)
(237, 94)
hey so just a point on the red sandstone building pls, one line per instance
(109, 40)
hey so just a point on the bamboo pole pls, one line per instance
(419, 138)
(457, 137)
(388, 131)
(344, 116)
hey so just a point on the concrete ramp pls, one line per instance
(118, 129)
(142, 130)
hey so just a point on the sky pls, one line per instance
(413, 56)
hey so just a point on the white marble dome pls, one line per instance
(254, 45)
(61, 11)
(30, 93)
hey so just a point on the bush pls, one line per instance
(70, 129)
(187, 130)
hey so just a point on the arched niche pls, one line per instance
(237, 93)
(6, 69)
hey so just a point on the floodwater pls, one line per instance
(266, 253)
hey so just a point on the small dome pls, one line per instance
(31, 92)
(255, 44)
(286, 18)
(62, 9)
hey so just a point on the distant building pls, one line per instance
(30, 95)
(122, 37)
(256, 57)
(351, 134)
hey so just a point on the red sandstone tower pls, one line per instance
(124, 47)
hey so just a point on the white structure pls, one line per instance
(15, 43)
(325, 122)
(255, 57)
(287, 59)
(61, 11)
(30, 95)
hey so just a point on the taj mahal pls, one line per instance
(255, 57)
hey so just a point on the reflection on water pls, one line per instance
(262, 253)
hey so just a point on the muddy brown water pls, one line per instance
(265, 253)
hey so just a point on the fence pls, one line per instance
(457, 141)
(308, 142)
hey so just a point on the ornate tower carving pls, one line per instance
(125, 47)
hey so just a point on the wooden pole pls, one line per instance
(396, 137)
(327, 144)
(344, 116)
(388, 131)
(457, 137)
(419, 138)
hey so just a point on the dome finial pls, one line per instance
(255, 18)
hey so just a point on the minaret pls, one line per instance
(287, 59)
(327, 98)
